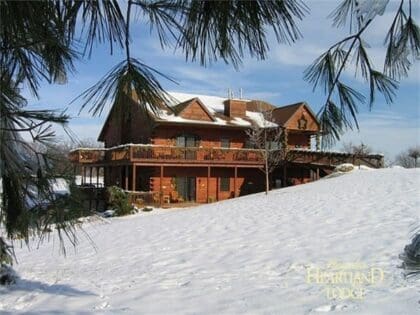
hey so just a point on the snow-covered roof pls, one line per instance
(213, 103)
(215, 106)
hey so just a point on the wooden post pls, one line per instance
(208, 184)
(97, 176)
(90, 175)
(318, 142)
(317, 173)
(126, 177)
(161, 186)
(134, 177)
(84, 175)
(234, 183)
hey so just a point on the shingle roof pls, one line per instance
(282, 114)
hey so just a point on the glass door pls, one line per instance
(186, 188)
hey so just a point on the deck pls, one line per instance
(158, 155)
(150, 154)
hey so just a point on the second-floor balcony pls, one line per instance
(154, 154)
(170, 154)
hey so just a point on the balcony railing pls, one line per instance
(172, 154)
(152, 153)
(87, 155)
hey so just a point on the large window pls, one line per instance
(248, 144)
(225, 143)
(224, 183)
(187, 141)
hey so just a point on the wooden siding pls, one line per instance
(247, 181)
(207, 138)
(302, 112)
(195, 111)
(299, 140)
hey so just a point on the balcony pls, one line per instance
(152, 154)
(166, 154)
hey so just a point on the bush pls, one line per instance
(411, 257)
(7, 274)
(118, 200)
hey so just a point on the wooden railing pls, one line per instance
(87, 155)
(172, 154)
(334, 158)
(166, 153)
(152, 153)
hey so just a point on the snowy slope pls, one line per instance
(249, 255)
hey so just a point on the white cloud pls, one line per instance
(385, 131)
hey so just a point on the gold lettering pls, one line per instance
(372, 275)
(312, 273)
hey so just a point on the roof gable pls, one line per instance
(193, 109)
(297, 116)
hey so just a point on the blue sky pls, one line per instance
(388, 129)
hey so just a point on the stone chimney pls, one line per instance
(235, 108)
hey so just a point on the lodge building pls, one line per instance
(195, 148)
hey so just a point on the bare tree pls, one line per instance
(268, 138)
(357, 149)
(408, 158)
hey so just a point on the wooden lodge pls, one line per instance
(195, 149)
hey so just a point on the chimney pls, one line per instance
(235, 108)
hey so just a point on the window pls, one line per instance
(224, 183)
(271, 145)
(224, 143)
(249, 144)
(187, 141)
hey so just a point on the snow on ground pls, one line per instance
(252, 255)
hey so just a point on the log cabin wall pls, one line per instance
(195, 112)
(207, 137)
(302, 112)
(299, 140)
(247, 181)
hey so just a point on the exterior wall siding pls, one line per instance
(195, 112)
(248, 181)
(208, 138)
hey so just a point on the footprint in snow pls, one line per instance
(330, 308)
(102, 306)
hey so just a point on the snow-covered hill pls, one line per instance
(275, 254)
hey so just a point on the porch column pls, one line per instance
(317, 173)
(97, 176)
(318, 141)
(90, 174)
(208, 184)
(134, 177)
(234, 182)
(84, 175)
(120, 184)
(126, 177)
(161, 186)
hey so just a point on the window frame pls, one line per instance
(225, 141)
(224, 184)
